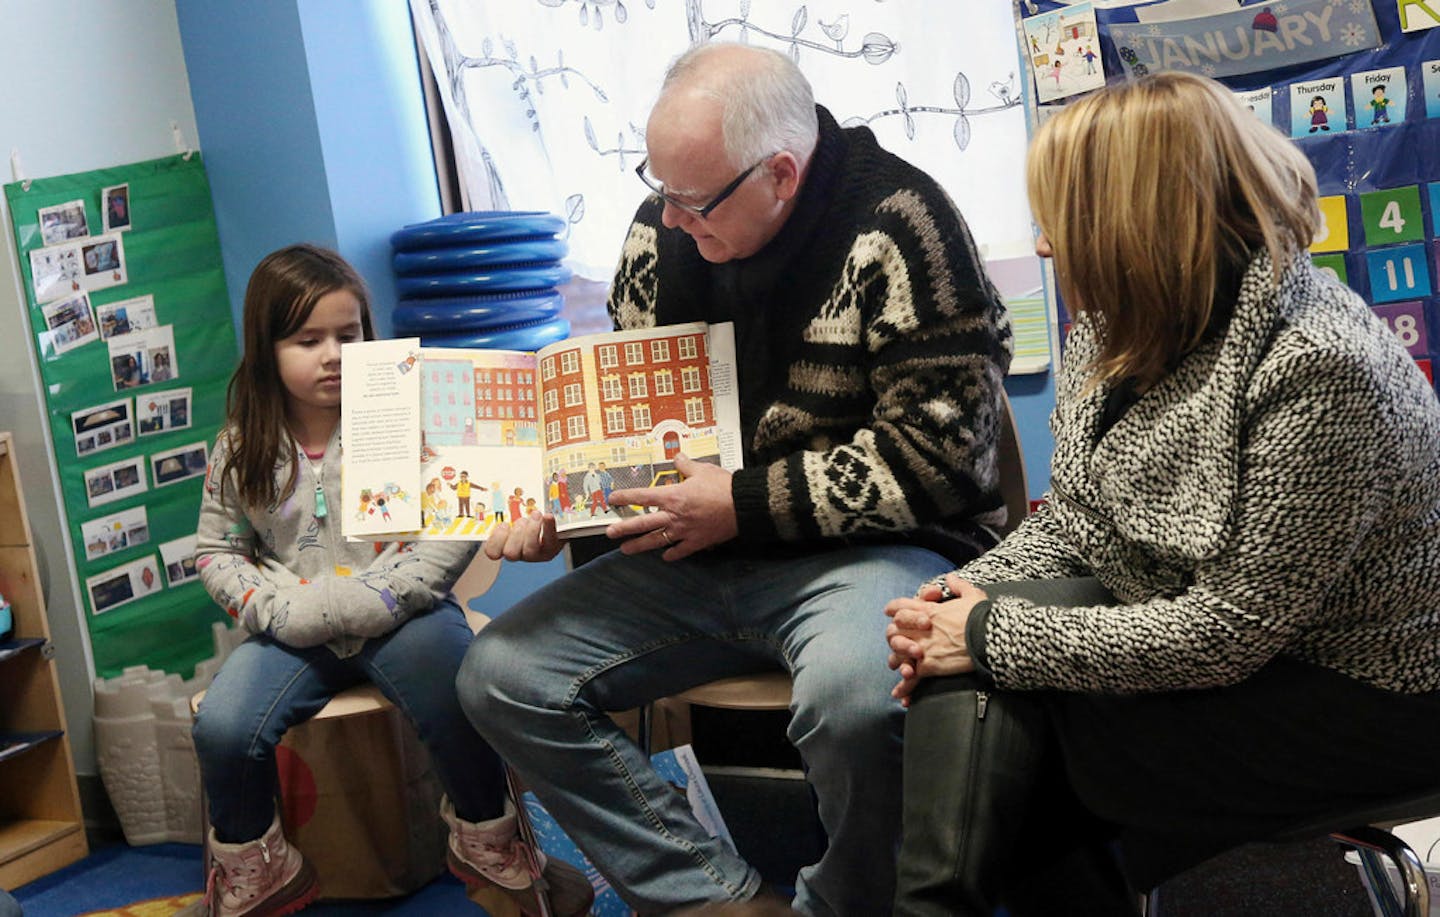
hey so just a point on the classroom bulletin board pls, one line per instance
(131, 328)
(1354, 83)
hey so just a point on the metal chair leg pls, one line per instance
(1370, 843)
(644, 730)
(527, 834)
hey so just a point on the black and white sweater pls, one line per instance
(1278, 494)
(871, 349)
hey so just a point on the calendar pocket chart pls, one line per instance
(1359, 96)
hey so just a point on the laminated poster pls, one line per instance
(1064, 51)
(126, 315)
(103, 426)
(123, 584)
(160, 412)
(128, 528)
(115, 481)
(143, 357)
(69, 323)
(178, 556)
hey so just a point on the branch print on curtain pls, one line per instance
(547, 100)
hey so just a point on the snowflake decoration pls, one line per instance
(1359, 6)
(1154, 30)
(1208, 70)
(1352, 35)
(1279, 8)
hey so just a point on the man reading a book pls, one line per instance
(871, 348)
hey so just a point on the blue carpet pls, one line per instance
(119, 875)
(111, 877)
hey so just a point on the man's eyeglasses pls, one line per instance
(702, 212)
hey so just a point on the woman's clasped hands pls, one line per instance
(927, 633)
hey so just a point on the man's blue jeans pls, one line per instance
(622, 631)
(265, 687)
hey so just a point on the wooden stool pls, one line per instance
(345, 807)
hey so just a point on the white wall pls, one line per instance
(86, 84)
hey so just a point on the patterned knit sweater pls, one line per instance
(871, 349)
(282, 572)
(1278, 494)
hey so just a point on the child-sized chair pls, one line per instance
(771, 690)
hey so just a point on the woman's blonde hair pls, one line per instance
(1154, 196)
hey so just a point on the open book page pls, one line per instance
(459, 439)
(379, 430)
(480, 452)
(618, 407)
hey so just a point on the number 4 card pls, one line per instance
(1392, 215)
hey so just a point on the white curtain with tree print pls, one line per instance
(547, 99)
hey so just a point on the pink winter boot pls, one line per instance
(261, 878)
(491, 853)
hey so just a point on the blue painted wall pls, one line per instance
(1031, 399)
(253, 109)
(370, 110)
(311, 119)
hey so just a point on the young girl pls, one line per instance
(324, 613)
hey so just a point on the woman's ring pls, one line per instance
(666, 535)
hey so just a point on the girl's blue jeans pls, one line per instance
(622, 631)
(265, 687)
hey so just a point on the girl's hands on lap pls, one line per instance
(927, 634)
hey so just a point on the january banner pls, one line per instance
(1243, 40)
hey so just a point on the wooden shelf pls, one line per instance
(13, 744)
(10, 648)
(41, 826)
(22, 837)
(34, 847)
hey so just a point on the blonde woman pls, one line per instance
(1223, 620)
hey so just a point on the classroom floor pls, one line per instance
(155, 881)
(773, 823)
(1310, 879)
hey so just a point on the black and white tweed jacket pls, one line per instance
(871, 350)
(1277, 494)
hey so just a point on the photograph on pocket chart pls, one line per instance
(128, 528)
(63, 222)
(102, 427)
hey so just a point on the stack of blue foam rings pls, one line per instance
(482, 279)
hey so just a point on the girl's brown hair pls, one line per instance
(1154, 195)
(282, 292)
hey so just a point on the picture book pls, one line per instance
(446, 443)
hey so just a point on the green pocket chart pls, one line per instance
(133, 335)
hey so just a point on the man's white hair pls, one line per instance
(768, 105)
